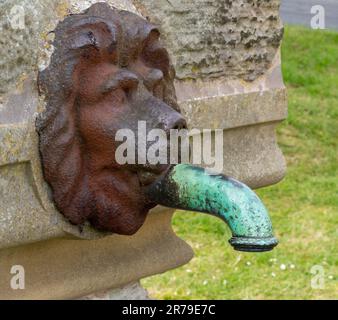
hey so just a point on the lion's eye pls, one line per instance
(154, 78)
(124, 80)
(129, 83)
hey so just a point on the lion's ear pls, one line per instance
(95, 36)
(83, 33)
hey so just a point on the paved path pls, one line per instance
(299, 12)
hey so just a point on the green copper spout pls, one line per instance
(191, 188)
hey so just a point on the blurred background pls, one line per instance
(304, 206)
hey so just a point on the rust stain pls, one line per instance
(108, 71)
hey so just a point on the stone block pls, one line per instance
(226, 54)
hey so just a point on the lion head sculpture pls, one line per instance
(108, 71)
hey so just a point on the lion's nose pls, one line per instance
(180, 124)
(175, 121)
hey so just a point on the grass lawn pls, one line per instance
(304, 207)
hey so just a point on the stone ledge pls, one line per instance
(238, 110)
(67, 269)
(248, 114)
(133, 291)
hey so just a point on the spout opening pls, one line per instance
(247, 244)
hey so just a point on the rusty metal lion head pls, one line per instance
(109, 70)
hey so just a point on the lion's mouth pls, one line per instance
(151, 173)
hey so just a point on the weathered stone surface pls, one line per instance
(248, 113)
(252, 155)
(27, 213)
(21, 24)
(231, 111)
(25, 41)
(132, 291)
(208, 39)
(67, 269)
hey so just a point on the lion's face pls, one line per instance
(114, 74)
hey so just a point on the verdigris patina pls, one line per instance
(191, 188)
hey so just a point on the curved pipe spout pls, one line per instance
(191, 188)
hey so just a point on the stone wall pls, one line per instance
(236, 39)
(226, 54)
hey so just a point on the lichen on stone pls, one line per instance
(237, 39)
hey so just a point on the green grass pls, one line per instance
(304, 207)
